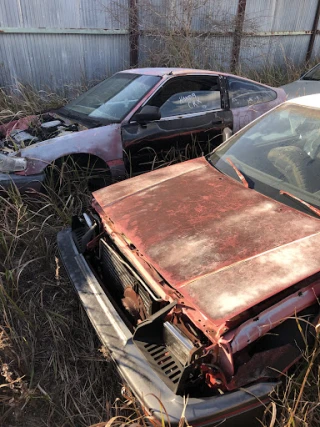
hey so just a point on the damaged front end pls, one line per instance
(30, 130)
(189, 352)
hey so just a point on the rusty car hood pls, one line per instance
(223, 246)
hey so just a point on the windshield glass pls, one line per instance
(112, 99)
(313, 74)
(280, 151)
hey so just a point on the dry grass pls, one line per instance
(52, 370)
(21, 100)
(297, 402)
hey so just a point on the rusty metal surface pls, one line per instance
(238, 34)
(254, 328)
(133, 33)
(42, 30)
(201, 230)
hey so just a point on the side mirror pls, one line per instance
(148, 113)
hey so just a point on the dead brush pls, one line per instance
(14, 392)
(195, 148)
(276, 75)
(66, 381)
(22, 100)
(296, 402)
(53, 372)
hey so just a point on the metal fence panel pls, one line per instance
(10, 13)
(292, 19)
(56, 42)
(281, 15)
(43, 58)
(316, 49)
(268, 51)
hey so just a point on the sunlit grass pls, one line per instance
(52, 372)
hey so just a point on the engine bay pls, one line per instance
(28, 131)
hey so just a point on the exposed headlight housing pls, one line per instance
(12, 163)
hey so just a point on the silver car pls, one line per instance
(308, 84)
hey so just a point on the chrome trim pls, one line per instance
(87, 220)
(178, 335)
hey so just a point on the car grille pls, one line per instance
(164, 361)
(115, 269)
(118, 272)
(167, 350)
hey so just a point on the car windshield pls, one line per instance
(313, 74)
(111, 100)
(277, 154)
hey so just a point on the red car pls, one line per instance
(120, 125)
(203, 278)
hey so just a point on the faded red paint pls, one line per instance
(103, 142)
(223, 247)
(23, 124)
(108, 142)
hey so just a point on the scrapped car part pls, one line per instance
(133, 122)
(307, 84)
(202, 286)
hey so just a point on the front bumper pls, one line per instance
(241, 406)
(22, 182)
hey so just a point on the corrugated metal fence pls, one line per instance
(54, 43)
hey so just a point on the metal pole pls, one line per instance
(238, 34)
(133, 32)
(313, 33)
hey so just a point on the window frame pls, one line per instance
(200, 113)
(245, 82)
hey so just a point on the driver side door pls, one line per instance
(192, 119)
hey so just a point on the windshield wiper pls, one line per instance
(312, 208)
(240, 175)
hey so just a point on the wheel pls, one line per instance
(76, 176)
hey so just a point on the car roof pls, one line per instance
(307, 101)
(162, 71)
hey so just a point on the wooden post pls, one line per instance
(133, 33)
(238, 34)
(313, 33)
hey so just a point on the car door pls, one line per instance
(193, 115)
(248, 100)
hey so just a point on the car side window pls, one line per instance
(243, 93)
(188, 95)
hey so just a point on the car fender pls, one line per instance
(103, 142)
